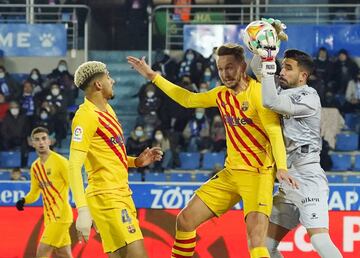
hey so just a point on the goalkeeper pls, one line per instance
(300, 108)
(98, 141)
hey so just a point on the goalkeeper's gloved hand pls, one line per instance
(83, 223)
(20, 204)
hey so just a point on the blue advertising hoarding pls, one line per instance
(33, 39)
(308, 38)
(344, 197)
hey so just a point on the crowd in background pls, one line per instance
(44, 100)
(38, 100)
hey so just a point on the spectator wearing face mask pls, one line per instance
(197, 132)
(210, 78)
(27, 102)
(59, 72)
(45, 117)
(8, 86)
(352, 95)
(149, 105)
(192, 65)
(137, 142)
(36, 80)
(161, 140)
(217, 134)
(14, 131)
(57, 103)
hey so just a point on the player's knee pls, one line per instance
(184, 221)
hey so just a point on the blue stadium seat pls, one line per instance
(202, 177)
(10, 159)
(213, 158)
(335, 178)
(347, 142)
(4, 175)
(180, 177)
(159, 177)
(352, 179)
(341, 162)
(357, 163)
(31, 158)
(134, 177)
(352, 120)
(189, 160)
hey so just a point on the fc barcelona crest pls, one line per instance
(244, 106)
(131, 229)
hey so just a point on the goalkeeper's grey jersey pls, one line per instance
(300, 109)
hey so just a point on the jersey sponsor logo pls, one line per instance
(117, 140)
(237, 121)
(78, 134)
(309, 200)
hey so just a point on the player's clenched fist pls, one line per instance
(20, 204)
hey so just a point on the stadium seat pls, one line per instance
(10, 159)
(347, 142)
(352, 179)
(357, 163)
(157, 177)
(202, 177)
(4, 175)
(134, 177)
(341, 162)
(180, 177)
(213, 158)
(31, 158)
(335, 178)
(189, 160)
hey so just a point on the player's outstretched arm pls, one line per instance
(142, 67)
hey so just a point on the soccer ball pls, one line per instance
(256, 33)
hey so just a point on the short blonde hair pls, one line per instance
(86, 72)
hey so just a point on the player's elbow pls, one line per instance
(269, 104)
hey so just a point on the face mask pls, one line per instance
(34, 76)
(203, 90)
(62, 68)
(189, 57)
(43, 115)
(208, 74)
(139, 133)
(2, 75)
(14, 111)
(55, 91)
(158, 137)
(150, 94)
(199, 115)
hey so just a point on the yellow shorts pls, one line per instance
(115, 218)
(228, 187)
(56, 234)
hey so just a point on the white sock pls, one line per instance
(324, 246)
(272, 246)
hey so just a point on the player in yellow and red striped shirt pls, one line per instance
(254, 145)
(49, 176)
(98, 142)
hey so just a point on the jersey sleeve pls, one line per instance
(131, 161)
(300, 104)
(65, 170)
(271, 123)
(34, 192)
(187, 98)
(83, 128)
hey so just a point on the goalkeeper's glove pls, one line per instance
(83, 223)
(20, 204)
(262, 68)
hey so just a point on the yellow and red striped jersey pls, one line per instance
(253, 133)
(51, 179)
(100, 135)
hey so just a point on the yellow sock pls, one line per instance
(259, 252)
(184, 245)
